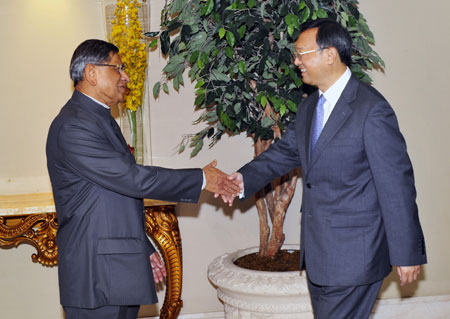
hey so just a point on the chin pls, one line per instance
(306, 80)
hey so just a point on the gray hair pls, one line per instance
(90, 51)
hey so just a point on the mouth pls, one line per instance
(123, 88)
(302, 70)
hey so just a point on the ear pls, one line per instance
(332, 55)
(90, 74)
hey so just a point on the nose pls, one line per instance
(124, 76)
(297, 61)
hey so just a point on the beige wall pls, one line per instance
(38, 38)
(415, 48)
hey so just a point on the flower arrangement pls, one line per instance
(127, 36)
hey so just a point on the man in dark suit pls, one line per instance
(104, 266)
(359, 214)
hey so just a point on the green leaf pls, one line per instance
(304, 16)
(225, 119)
(200, 64)
(215, 52)
(229, 52)
(176, 6)
(199, 99)
(156, 89)
(194, 57)
(237, 108)
(220, 76)
(302, 5)
(241, 67)
(180, 79)
(290, 30)
(207, 9)
(263, 101)
(197, 148)
(283, 110)
(199, 83)
(176, 84)
(222, 32)
(291, 20)
(321, 13)
(153, 44)
(344, 17)
(251, 3)
(267, 122)
(292, 106)
(166, 88)
(204, 58)
(200, 91)
(230, 38)
(241, 31)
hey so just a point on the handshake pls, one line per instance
(221, 184)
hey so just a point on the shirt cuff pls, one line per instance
(204, 180)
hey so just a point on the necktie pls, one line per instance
(318, 121)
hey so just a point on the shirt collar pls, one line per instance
(96, 101)
(334, 92)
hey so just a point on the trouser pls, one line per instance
(106, 312)
(354, 302)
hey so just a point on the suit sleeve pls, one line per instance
(281, 157)
(394, 182)
(91, 155)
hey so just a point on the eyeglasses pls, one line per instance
(118, 67)
(298, 55)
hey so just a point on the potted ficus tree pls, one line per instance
(239, 54)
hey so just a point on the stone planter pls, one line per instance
(259, 294)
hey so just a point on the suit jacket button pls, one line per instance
(308, 185)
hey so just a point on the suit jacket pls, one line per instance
(98, 190)
(359, 213)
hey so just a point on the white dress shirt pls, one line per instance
(333, 94)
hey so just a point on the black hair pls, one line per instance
(90, 51)
(332, 34)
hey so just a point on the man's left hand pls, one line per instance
(408, 274)
(159, 270)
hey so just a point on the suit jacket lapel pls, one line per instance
(310, 110)
(111, 128)
(338, 116)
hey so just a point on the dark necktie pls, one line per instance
(318, 121)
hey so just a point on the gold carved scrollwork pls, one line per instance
(38, 230)
(162, 226)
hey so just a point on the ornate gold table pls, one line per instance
(31, 219)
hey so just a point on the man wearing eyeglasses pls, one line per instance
(359, 213)
(104, 265)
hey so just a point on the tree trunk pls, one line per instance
(273, 202)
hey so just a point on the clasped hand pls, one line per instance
(222, 184)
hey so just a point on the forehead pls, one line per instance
(307, 39)
(114, 58)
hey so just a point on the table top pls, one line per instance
(42, 203)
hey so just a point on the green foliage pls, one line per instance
(239, 55)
